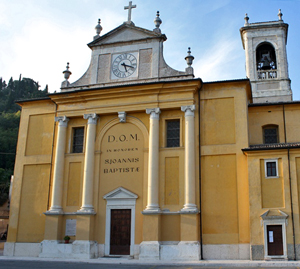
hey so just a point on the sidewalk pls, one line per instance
(128, 261)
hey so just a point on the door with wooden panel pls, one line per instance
(275, 242)
(120, 232)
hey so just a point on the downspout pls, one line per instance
(200, 195)
(51, 162)
(290, 183)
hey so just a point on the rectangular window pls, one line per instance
(78, 135)
(173, 133)
(271, 168)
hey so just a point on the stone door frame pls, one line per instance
(280, 219)
(119, 198)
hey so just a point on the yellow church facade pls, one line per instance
(138, 159)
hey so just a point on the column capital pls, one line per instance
(122, 116)
(92, 118)
(62, 121)
(154, 112)
(189, 110)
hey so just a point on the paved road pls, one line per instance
(71, 265)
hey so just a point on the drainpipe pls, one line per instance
(290, 183)
(200, 195)
(51, 162)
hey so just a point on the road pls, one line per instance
(71, 265)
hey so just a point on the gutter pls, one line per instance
(200, 196)
(290, 183)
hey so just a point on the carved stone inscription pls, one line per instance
(122, 151)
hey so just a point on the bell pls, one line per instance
(265, 63)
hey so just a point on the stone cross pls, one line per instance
(129, 7)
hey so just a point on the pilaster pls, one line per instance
(56, 199)
(153, 165)
(88, 174)
(189, 160)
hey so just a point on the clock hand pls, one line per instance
(129, 66)
(123, 64)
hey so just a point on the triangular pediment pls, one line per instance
(125, 33)
(274, 214)
(120, 193)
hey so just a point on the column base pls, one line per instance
(189, 208)
(152, 208)
(86, 210)
(54, 210)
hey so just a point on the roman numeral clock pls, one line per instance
(124, 65)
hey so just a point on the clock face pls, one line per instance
(124, 65)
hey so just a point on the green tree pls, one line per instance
(24, 88)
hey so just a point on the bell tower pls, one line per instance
(266, 60)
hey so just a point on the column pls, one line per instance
(88, 172)
(153, 162)
(57, 191)
(189, 160)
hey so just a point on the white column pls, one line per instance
(153, 164)
(88, 172)
(57, 191)
(189, 160)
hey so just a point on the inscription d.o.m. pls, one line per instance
(122, 138)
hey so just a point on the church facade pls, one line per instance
(138, 159)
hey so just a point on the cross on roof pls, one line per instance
(129, 7)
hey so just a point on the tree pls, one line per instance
(24, 88)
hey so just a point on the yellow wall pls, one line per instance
(219, 192)
(272, 189)
(35, 187)
(219, 121)
(274, 114)
(225, 191)
(32, 172)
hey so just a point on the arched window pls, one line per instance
(266, 57)
(270, 134)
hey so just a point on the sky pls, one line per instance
(38, 37)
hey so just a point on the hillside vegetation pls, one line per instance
(24, 88)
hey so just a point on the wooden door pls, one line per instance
(275, 242)
(120, 231)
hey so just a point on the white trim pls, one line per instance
(119, 198)
(271, 160)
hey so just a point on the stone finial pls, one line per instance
(67, 74)
(189, 60)
(98, 29)
(279, 15)
(246, 19)
(157, 23)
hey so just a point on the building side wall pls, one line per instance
(30, 190)
(225, 197)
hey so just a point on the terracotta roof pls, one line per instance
(272, 146)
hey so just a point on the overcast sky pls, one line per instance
(38, 37)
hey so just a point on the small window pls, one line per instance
(270, 134)
(271, 168)
(173, 133)
(78, 135)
